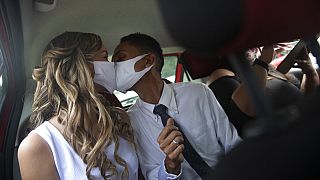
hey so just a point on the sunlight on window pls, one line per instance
(1, 81)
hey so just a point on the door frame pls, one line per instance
(11, 39)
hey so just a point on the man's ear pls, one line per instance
(151, 59)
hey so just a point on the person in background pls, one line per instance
(78, 133)
(281, 88)
(230, 92)
(310, 77)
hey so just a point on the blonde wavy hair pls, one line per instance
(65, 89)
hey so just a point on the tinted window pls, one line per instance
(3, 78)
(169, 68)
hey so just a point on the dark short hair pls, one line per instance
(146, 44)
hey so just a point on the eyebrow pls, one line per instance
(118, 52)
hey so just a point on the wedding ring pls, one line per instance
(175, 142)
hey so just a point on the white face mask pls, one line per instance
(104, 74)
(126, 76)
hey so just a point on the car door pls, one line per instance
(11, 85)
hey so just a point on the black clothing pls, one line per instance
(223, 89)
(282, 93)
(279, 92)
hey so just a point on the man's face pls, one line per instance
(125, 51)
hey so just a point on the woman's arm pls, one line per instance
(240, 96)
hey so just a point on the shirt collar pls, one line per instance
(167, 98)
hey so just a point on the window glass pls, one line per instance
(169, 68)
(3, 79)
(199, 80)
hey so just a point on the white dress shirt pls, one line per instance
(199, 115)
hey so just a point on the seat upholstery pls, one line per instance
(235, 25)
(199, 65)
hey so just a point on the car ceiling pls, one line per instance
(111, 19)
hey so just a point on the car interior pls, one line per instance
(192, 35)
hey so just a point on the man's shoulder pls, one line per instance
(136, 117)
(186, 84)
(191, 86)
(135, 110)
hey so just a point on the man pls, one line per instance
(192, 106)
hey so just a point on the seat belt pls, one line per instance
(180, 60)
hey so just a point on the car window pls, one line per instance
(169, 68)
(3, 79)
(168, 72)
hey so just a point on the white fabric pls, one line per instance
(69, 165)
(195, 108)
(126, 76)
(105, 74)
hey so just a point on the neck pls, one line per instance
(66, 133)
(101, 89)
(149, 88)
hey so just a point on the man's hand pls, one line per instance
(304, 63)
(310, 79)
(267, 54)
(170, 140)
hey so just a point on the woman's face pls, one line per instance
(101, 54)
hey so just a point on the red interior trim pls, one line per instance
(179, 73)
(267, 21)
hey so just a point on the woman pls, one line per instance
(77, 135)
(232, 94)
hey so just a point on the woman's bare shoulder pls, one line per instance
(35, 158)
(34, 144)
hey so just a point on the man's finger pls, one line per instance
(170, 122)
(173, 145)
(175, 154)
(180, 157)
(169, 139)
(165, 132)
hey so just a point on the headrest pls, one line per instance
(199, 65)
(235, 25)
